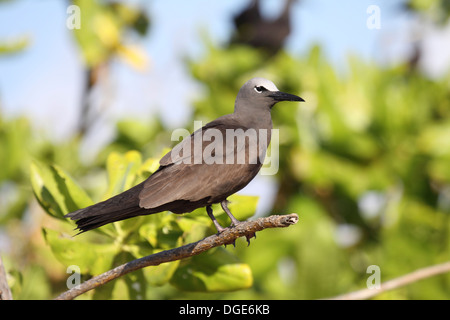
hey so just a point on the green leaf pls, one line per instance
(14, 45)
(122, 171)
(242, 207)
(132, 286)
(138, 133)
(91, 258)
(149, 166)
(435, 139)
(162, 231)
(213, 271)
(196, 227)
(99, 32)
(56, 191)
(149, 232)
(161, 274)
(31, 283)
(169, 234)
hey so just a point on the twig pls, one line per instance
(5, 292)
(247, 229)
(396, 283)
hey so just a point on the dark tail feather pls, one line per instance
(120, 207)
(94, 221)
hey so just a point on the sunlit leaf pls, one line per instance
(122, 170)
(56, 191)
(135, 56)
(91, 258)
(213, 271)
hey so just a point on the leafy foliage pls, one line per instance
(102, 35)
(364, 162)
(58, 194)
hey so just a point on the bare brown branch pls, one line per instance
(244, 229)
(397, 282)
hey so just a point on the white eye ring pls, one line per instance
(260, 89)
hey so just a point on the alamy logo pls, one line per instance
(227, 146)
(374, 19)
(73, 21)
(75, 278)
(373, 281)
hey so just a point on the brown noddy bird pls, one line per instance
(205, 168)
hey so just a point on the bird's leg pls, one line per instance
(224, 205)
(219, 228)
(235, 221)
(216, 223)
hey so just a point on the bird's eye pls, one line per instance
(260, 89)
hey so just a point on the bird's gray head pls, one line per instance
(262, 94)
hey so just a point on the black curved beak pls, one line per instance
(283, 96)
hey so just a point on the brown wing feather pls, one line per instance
(192, 182)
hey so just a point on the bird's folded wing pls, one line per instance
(192, 146)
(183, 177)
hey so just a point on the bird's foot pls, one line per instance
(232, 241)
(249, 236)
(221, 229)
(234, 223)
